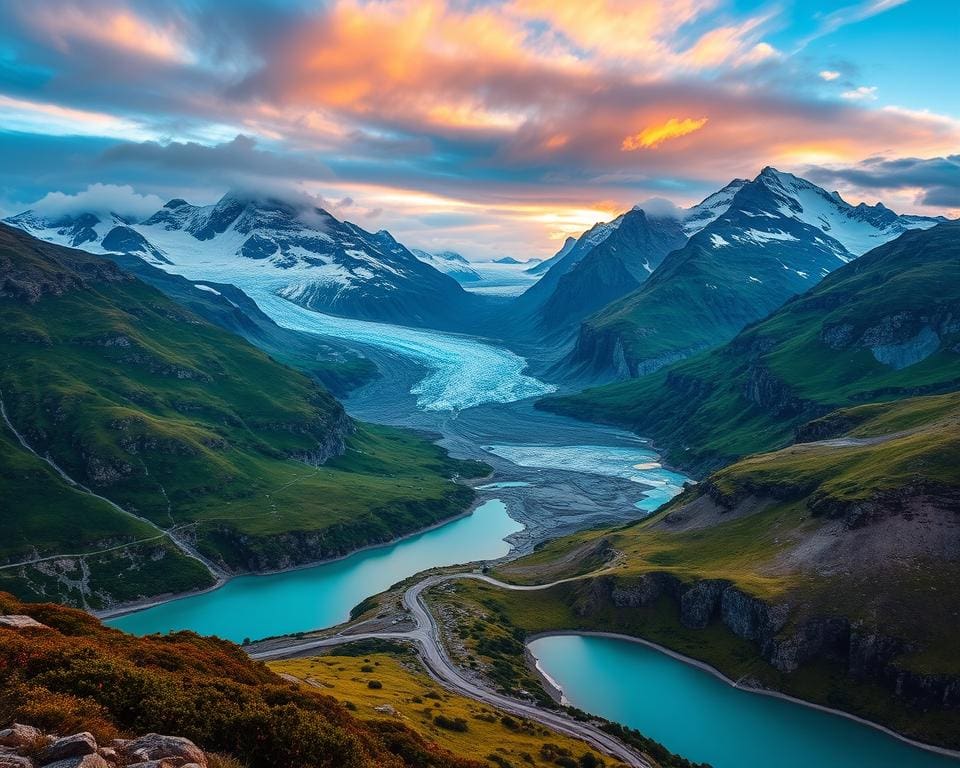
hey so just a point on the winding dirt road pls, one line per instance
(427, 637)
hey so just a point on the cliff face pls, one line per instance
(782, 640)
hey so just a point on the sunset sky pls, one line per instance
(491, 128)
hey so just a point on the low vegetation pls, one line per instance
(461, 725)
(73, 674)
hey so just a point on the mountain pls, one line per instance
(606, 262)
(147, 448)
(507, 260)
(450, 263)
(752, 246)
(544, 265)
(302, 251)
(336, 366)
(881, 327)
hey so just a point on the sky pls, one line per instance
(488, 127)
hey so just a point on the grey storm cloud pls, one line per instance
(939, 177)
(238, 157)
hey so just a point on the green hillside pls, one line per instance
(882, 327)
(818, 569)
(187, 426)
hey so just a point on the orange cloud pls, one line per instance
(119, 29)
(653, 136)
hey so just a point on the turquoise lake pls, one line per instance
(320, 596)
(695, 714)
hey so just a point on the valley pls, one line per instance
(458, 458)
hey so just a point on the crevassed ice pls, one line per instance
(462, 372)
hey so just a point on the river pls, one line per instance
(553, 476)
(701, 717)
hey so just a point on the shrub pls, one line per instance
(375, 685)
(80, 675)
(451, 723)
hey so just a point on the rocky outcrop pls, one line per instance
(770, 393)
(49, 273)
(601, 352)
(783, 639)
(900, 339)
(23, 746)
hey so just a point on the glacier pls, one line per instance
(461, 372)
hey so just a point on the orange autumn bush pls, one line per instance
(79, 675)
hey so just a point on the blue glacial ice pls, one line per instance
(461, 372)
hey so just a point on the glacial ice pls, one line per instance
(461, 372)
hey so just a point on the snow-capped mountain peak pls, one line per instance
(711, 207)
(857, 228)
(291, 247)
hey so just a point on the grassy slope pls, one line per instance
(335, 366)
(699, 409)
(418, 701)
(41, 513)
(79, 675)
(805, 489)
(182, 422)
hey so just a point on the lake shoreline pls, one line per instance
(152, 602)
(705, 667)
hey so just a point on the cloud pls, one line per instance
(829, 75)
(863, 93)
(42, 117)
(98, 198)
(653, 136)
(117, 27)
(933, 181)
(661, 208)
(510, 114)
(230, 160)
(850, 14)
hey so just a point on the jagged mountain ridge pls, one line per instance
(882, 327)
(302, 251)
(450, 263)
(778, 236)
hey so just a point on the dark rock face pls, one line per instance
(69, 746)
(770, 393)
(699, 604)
(781, 640)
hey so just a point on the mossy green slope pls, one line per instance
(185, 424)
(41, 514)
(819, 352)
(841, 551)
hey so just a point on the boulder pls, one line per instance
(19, 735)
(9, 760)
(80, 761)
(78, 745)
(174, 751)
(20, 622)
